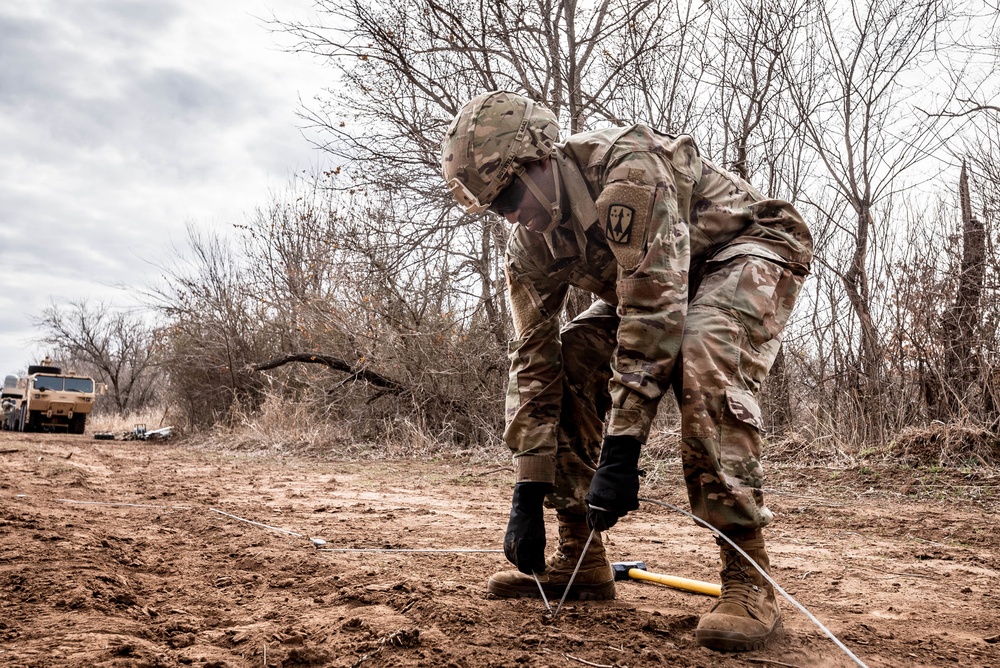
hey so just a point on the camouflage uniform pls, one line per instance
(695, 273)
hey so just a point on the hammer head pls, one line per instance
(621, 568)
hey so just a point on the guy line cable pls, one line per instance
(318, 542)
(774, 584)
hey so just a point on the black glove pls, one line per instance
(524, 542)
(614, 491)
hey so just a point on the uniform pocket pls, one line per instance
(758, 291)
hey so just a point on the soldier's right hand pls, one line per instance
(524, 542)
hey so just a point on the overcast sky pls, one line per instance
(120, 122)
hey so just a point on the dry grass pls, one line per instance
(283, 427)
(795, 448)
(280, 427)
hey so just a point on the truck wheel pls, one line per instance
(33, 420)
(78, 423)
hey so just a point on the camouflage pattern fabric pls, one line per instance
(731, 337)
(489, 141)
(702, 272)
(588, 339)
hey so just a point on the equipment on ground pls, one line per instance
(636, 570)
(318, 543)
(541, 590)
(139, 433)
(46, 399)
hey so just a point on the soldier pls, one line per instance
(695, 274)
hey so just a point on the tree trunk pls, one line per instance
(856, 284)
(961, 321)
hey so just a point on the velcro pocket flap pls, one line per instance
(744, 407)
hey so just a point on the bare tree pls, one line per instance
(962, 319)
(119, 347)
(859, 117)
(404, 71)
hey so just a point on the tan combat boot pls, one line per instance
(746, 616)
(595, 580)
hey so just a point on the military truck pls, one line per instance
(46, 399)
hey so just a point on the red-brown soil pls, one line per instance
(901, 577)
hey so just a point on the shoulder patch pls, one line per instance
(624, 209)
(618, 227)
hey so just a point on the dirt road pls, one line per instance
(110, 555)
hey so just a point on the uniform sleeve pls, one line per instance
(534, 392)
(638, 208)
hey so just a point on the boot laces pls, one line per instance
(738, 586)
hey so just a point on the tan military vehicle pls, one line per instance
(46, 399)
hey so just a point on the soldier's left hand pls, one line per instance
(614, 491)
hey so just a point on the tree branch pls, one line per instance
(336, 364)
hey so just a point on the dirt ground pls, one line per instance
(111, 555)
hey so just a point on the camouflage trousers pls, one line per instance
(731, 337)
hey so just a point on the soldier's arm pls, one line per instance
(534, 392)
(653, 254)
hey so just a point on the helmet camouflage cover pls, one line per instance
(489, 142)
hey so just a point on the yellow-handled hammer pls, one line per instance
(636, 570)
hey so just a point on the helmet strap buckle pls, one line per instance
(464, 196)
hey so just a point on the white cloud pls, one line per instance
(120, 122)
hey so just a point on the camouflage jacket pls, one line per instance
(647, 212)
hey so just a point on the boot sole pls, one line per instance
(730, 641)
(604, 591)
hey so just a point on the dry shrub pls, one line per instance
(413, 335)
(662, 458)
(941, 444)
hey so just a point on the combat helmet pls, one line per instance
(491, 139)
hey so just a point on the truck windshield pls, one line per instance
(55, 384)
(79, 385)
(43, 383)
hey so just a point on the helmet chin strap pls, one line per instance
(555, 210)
